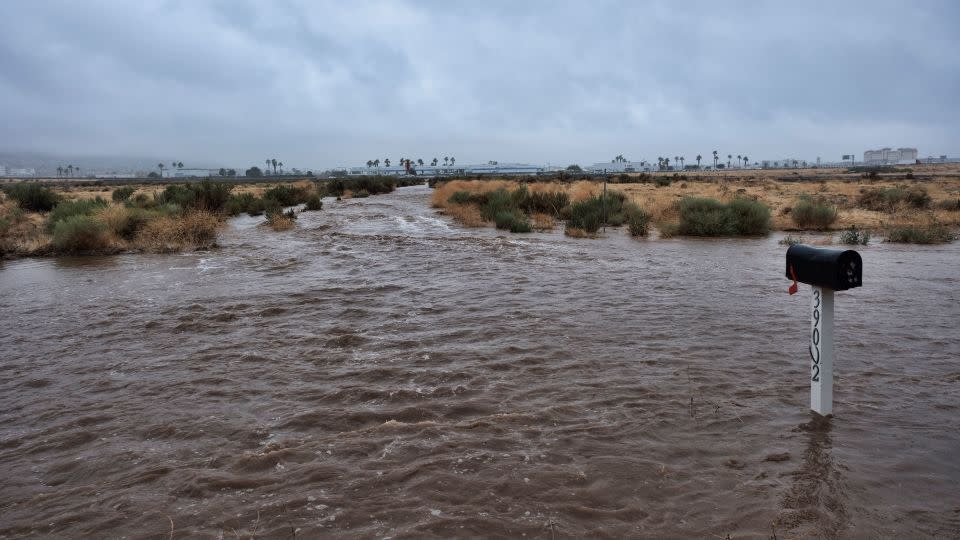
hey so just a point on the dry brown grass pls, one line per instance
(542, 222)
(574, 232)
(280, 222)
(467, 215)
(165, 234)
(443, 192)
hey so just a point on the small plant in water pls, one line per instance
(854, 236)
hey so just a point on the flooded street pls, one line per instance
(382, 372)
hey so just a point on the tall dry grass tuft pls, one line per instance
(467, 215)
(279, 221)
(193, 230)
(443, 192)
(542, 222)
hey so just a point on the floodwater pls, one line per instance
(381, 372)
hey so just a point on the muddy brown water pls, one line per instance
(381, 372)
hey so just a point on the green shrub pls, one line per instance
(513, 220)
(588, 215)
(750, 218)
(854, 236)
(497, 202)
(662, 181)
(362, 194)
(913, 234)
(288, 195)
(240, 203)
(709, 217)
(32, 197)
(461, 197)
(637, 219)
(205, 195)
(790, 240)
(122, 194)
(813, 214)
(67, 209)
(371, 184)
(313, 203)
(79, 233)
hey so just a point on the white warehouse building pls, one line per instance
(886, 156)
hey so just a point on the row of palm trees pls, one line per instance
(173, 165)
(447, 162)
(664, 162)
(68, 171)
(273, 162)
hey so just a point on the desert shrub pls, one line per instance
(362, 194)
(68, 209)
(122, 194)
(750, 218)
(205, 195)
(544, 202)
(497, 202)
(887, 199)
(813, 214)
(709, 217)
(79, 233)
(460, 197)
(854, 236)
(790, 240)
(662, 181)
(513, 220)
(372, 184)
(951, 205)
(32, 197)
(288, 195)
(637, 220)
(141, 200)
(936, 233)
(588, 215)
(123, 221)
(240, 203)
(542, 222)
(313, 203)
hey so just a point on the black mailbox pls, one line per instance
(835, 269)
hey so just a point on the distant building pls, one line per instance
(885, 156)
(189, 173)
(621, 167)
(22, 172)
(429, 170)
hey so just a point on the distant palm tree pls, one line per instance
(376, 163)
(445, 160)
(746, 160)
(682, 159)
(729, 159)
(281, 167)
(420, 162)
(268, 164)
(59, 171)
(715, 159)
(739, 161)
(179, 164)
(666, 163)
(452, 161)
(795, 163)
(386, 162)
(274, 163)
(77, 169)
(369, 163)
(160, 166)
(434, 162)
(699, 157)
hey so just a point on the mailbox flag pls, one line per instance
(793, 288)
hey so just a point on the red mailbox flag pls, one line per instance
(793, 288)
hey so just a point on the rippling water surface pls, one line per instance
(381, 372)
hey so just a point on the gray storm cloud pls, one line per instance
(326, 84)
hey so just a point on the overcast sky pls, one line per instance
(319, 84)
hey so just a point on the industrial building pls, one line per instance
(889, 156)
